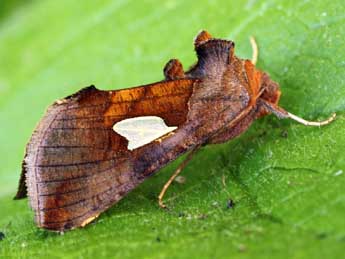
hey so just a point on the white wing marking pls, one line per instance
(140, 131)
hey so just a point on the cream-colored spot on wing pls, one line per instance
(140, 131)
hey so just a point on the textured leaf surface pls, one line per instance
(287, 181)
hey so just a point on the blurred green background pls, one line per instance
(287, 180)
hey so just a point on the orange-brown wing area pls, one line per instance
(76, 166)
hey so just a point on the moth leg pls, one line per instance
(281, 113)
(175, 174)
(173, 70)
(255, 50)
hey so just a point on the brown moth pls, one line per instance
(79, 161)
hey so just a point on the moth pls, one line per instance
(93, 147)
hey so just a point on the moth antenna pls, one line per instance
(312, 123)
(254, 49)
(282, 114)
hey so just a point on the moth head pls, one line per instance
(271, 93)
(271, 89)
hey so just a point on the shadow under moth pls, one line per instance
(91, 148)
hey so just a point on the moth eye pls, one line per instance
(140, 131)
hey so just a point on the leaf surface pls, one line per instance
(286, 180)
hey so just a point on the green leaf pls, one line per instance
(286, 180)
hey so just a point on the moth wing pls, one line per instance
(76, 166)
